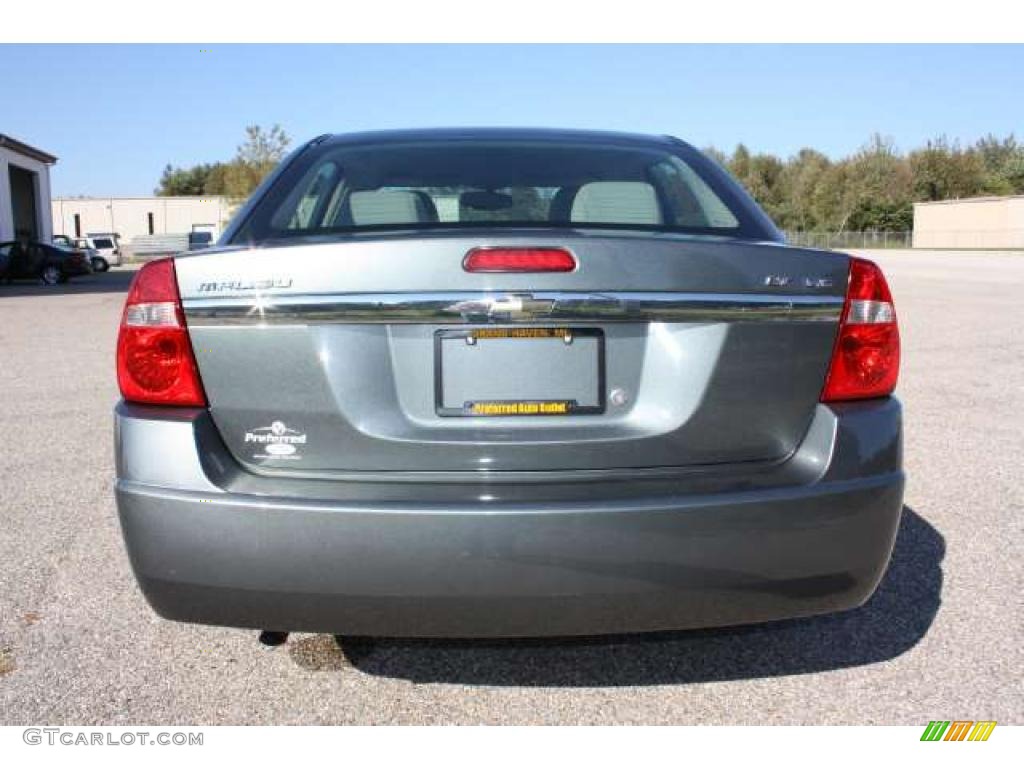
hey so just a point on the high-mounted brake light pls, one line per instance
(866, 357)
(519, 260)
(155, 363)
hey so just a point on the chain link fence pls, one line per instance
(842, 240)
(952, 239)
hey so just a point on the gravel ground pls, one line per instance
(940, 639)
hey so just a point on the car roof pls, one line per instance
(498, 134)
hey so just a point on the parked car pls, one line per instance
(41, 261)
(96, 263)
(107, 246)
(596, 393)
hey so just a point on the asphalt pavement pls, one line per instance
(941, 639)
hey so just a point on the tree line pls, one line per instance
(257, 156)
(873, 189)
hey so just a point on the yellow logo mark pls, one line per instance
(982, 730)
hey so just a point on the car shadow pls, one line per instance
(890, 623)
(116, 280)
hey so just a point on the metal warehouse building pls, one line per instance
(133, 217)
(24, 190)
(978, 222)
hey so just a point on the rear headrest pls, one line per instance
(427, 203)
(391, 206)
(617, 202)
(561, 204)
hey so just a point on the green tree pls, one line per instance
(739, 162)
(832, 200)
(881, 192)
(1013, 172)
(802, 180)
(1003, 160)
(761, 175)
(184, 181)
(943, 171)
(216, 180)
(256, 157)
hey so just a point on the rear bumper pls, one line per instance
(476, 567)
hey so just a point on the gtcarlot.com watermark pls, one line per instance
(83, 738)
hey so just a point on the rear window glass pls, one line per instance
(473, 183)
(103, 242)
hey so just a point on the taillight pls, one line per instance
(519, 260)
(866, 357)
(155, 363)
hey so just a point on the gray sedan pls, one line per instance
(499, 383)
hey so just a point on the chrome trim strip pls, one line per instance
(538, 306)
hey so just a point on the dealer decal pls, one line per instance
(520, 408)
(278, 441)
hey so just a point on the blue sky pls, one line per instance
(115, 115)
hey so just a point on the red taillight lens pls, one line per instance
(155, 363)
(519, 260)
(866, 357)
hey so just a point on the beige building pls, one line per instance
(132, 217)
(977, 222)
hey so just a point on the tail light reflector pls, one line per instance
(866, 357)
(155, 363)
(519, 260)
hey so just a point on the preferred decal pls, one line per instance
(278, 441)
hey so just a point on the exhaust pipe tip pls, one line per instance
(271, 639)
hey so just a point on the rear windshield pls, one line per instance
(103, 242)
(463, 184)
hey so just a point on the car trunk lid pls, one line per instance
(384, 353)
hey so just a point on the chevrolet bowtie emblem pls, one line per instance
(521, 306)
